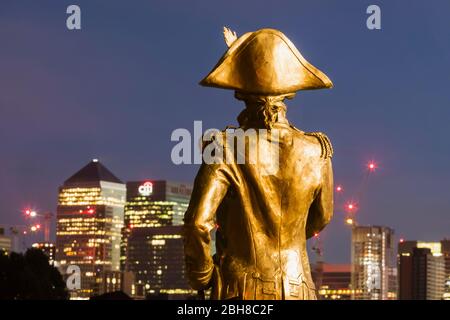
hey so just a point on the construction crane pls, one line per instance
(350, 208)
(318, 267)
(47, 222)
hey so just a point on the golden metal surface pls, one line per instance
(263, 216)
(264, 62)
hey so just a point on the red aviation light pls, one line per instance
(88, 211)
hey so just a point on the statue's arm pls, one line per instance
(321, 210)
(210, 187)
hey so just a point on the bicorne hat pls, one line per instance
(265, 62)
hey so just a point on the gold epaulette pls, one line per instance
(325, 144)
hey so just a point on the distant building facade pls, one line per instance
(374, 272)
(152, 247)
(445, 247)
(90, 217)
(333, 281)
(5, 241)
(422, 270)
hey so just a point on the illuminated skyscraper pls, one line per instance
(152, 242)
(422, 273)
(156, 203)
(374, 273)
(89, 222)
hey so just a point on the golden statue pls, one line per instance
(262, 216)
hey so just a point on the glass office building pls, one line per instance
(152, 248)
(90, 217)
(422, 270)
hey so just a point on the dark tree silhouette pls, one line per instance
(30, 276)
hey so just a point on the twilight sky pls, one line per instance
(116, 89)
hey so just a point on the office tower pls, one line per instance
(48, 248)
(89, 222)
(335, 281)
(156, 203)
(421, 270)
(5, 242)
(374, 273)
(428, 277)
(156, 259)
(152, 243)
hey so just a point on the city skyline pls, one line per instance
(151, 246)
(107, 92)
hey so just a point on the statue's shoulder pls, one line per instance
(319, 138)
(325, 143)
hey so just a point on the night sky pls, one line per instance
(116, 89)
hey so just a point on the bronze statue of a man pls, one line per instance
(262, 216)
